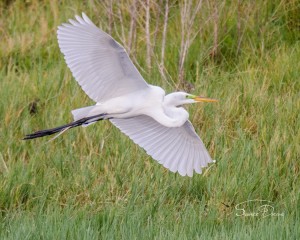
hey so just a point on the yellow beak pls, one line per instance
(204, 99)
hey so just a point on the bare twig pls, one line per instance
(188, 16)
(110, 17)
(147, 29)
(121, 23)
(158, 13)
(132, 30)
(239, 33)
(164, 36)
(216, 20)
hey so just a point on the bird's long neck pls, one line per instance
(170, 115)
(176, 119)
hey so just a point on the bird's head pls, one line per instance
(181, 98)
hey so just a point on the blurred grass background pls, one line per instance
(94, 182)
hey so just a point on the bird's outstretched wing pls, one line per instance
(178, 149)
(99, 63)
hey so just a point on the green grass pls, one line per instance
(94, 183)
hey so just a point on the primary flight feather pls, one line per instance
(155, 121)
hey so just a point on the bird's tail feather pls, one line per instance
(82, 121)
(86, 112)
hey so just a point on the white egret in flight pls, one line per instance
(155, 121)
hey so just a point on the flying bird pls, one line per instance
(155, 121)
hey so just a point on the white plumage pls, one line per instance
(153, 120)
(99, 64)
(176, 148)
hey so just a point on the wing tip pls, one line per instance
(184, 173)
(80, 20)
(73, 22)
(87, 19)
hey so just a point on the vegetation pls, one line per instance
(94, 183)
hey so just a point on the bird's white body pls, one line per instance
(135, 103)
(151, 101)
(155, 121)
